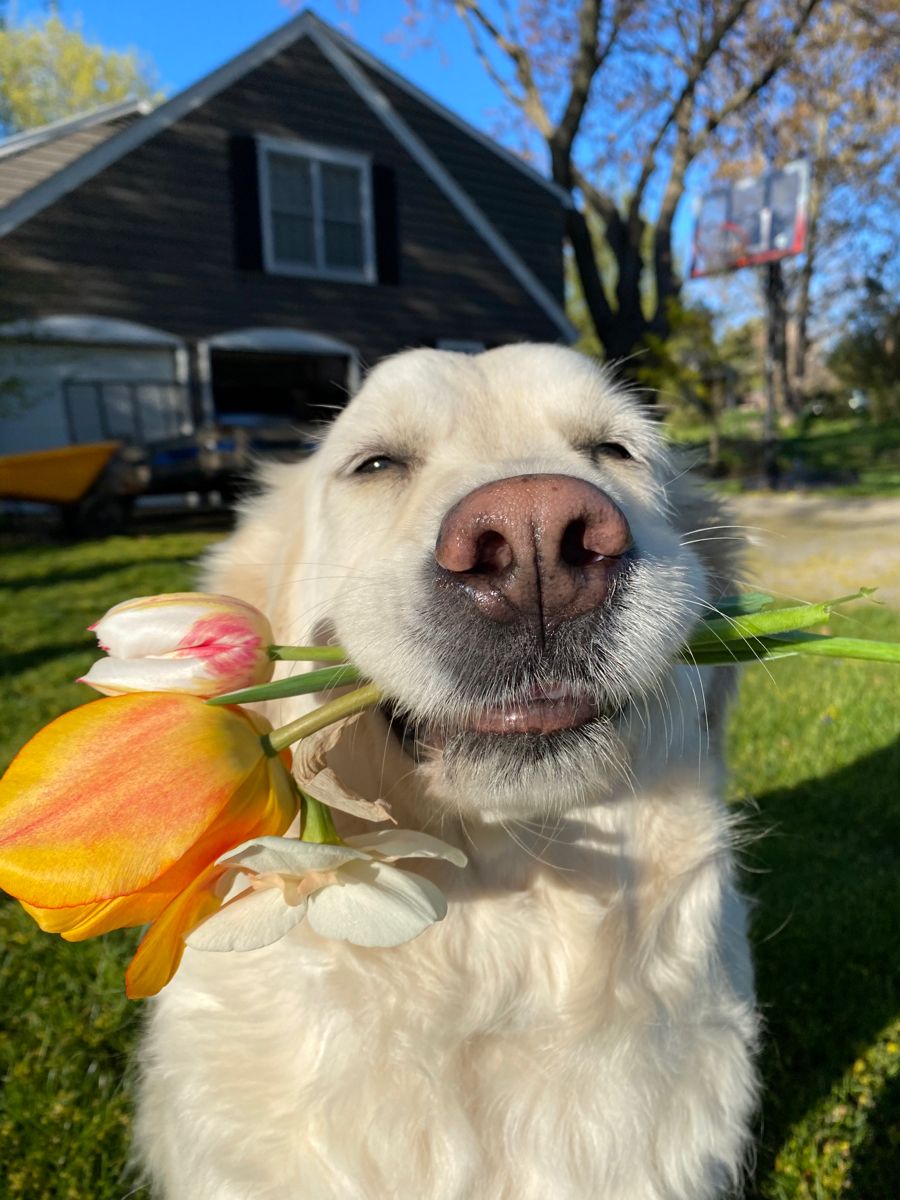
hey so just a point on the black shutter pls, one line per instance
(245, 202)
(387, 225)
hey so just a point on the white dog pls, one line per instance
(502, 545)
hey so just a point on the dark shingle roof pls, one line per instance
(29, 158)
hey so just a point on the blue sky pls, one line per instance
(188, 38)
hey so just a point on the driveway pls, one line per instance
(818, 547)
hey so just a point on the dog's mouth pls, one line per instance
(546, 710)
(543, 712)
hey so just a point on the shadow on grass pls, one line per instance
(91, 572)
(26, 660)
(827, 882)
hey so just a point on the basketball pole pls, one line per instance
(771, 285)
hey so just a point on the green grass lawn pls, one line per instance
(850, 456)
(815, 749)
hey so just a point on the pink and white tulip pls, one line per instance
(203, 645)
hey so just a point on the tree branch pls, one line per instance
(605, 208)
(531, 102)
(584, 68)
(763, 77)
(707, 47)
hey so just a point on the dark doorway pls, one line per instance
(300, 388)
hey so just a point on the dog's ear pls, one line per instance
(251, 563)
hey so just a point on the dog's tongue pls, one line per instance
(546, 713)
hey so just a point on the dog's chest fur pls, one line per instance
(571, 1030)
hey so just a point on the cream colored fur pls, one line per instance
(581, 1025)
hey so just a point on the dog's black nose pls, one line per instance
(538, 546)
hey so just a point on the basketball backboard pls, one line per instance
(746, 222)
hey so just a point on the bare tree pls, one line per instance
(626, 96)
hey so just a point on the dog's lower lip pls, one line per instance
(539, 714)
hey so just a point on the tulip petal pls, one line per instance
(109, 796)
(161, 950)
(253, 810)
(248, 922)
(121, 676)
(89, 920)
(391, 844)
(377, 906)
(151, 625)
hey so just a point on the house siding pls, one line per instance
(151, 238)
(525, 213)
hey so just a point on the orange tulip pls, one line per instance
(114, 815)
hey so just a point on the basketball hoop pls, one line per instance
(751, 221)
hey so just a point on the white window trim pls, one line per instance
(318, 154)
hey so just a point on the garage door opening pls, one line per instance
(280, 375)
(302, 389)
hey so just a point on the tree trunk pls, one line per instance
(801, 313)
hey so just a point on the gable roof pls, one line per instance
(340, 52)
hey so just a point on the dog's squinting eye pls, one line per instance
(377, 464)
(609, 450)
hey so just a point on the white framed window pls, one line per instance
(316, 211)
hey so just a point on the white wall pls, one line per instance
(32, 412)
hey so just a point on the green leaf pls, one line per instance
(295, 685)
(842, 647)
(786, 645)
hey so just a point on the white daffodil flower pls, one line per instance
(349, 891)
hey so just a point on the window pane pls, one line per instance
(290, 184)
(343, 245)
(341, 188)
(293, 239)
(159, 409)
(119, 411)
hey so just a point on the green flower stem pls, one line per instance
(326, 714)
(768, 622)
(331, 654)
(317, 823)
(839, 647)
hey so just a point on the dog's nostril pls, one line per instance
(572, 550)
(493, 554)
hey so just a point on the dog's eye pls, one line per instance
(376, 464)
(610, 450)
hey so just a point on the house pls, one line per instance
(250, 245)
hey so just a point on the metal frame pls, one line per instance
(132, 387)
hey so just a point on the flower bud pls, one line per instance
(203, 645)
